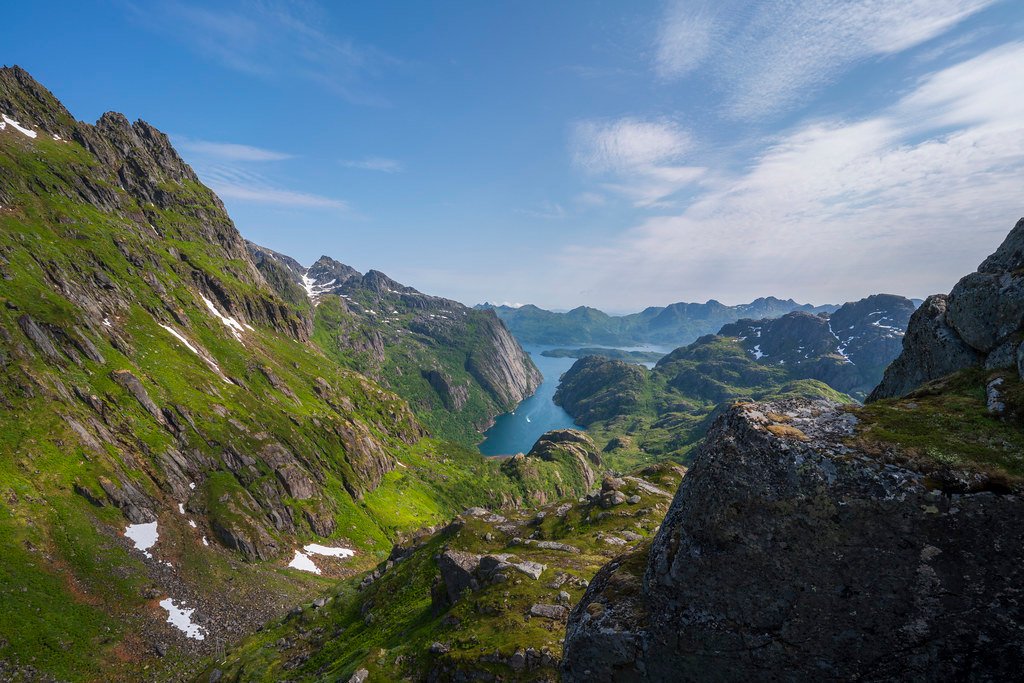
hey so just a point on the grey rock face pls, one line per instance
(553, 612)
(458, 572)
(980, 323)
(986, 308)
(931, 349)
(132, 384)
(790, 553)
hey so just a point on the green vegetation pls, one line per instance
(264, 440)
(945, 427)
(427, 351)
(638, 415)
(389, 626)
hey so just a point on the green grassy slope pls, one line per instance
(389, 625)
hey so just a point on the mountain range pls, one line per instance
(637, 414)
(675, 325)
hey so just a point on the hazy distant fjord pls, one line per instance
(516, 432)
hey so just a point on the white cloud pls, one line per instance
(628, 143)
(228, 151)
(638, 158)
(273, 40)
(686, 38)
(269, 195)
(375, 164)
(839, 209)
(767, 57)
(233, 182)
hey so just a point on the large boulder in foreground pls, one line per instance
(790, 553)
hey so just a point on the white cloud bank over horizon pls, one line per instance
(833, 209)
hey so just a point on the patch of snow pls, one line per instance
(106, 321)
(57, 138)
(181, 619)
(192, 523)
(302, 561)
(314, 290)
(17, 126)
(181, 508)
(757, 349)
(316, 549)
(144, 536)
(192, 485)
(205, 542)
(180, 337)
(841, 348)
(206, 359)
(232, 324)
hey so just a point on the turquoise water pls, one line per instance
(516, 432)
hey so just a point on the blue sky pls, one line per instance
(613, 154)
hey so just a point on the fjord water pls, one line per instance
(516, 432)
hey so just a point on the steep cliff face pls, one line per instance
(793, 551)
(458, 367)
(980, 323)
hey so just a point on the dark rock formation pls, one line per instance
(980, 323)
(786, 553)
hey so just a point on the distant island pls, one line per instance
(614, 354)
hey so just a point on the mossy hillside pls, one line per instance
(946, 427)
(389, 626)
(95, 268)
(638, 415)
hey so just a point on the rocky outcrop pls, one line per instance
(787, 552)
(980, 323)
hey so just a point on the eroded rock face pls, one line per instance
(980, 323)
(786, 551)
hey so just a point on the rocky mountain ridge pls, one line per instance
(980, 323)
(457, 366)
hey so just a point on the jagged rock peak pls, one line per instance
(979, 323)
(25, 100)
(325, 269)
